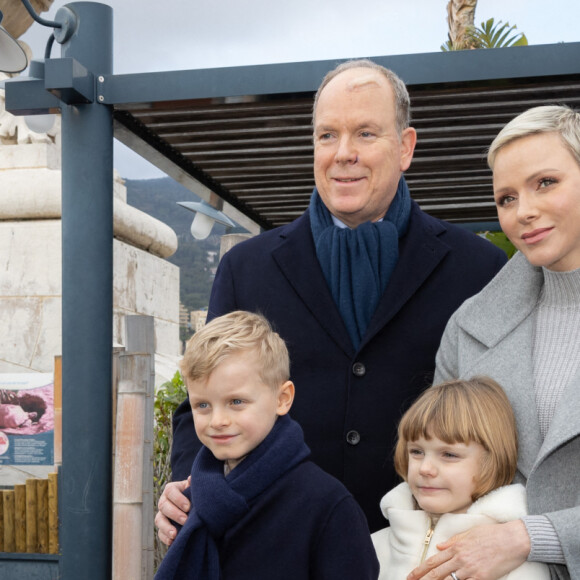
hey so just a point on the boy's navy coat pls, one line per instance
(305, 526)
(349, 402)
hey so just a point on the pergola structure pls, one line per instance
(241, 139)
(245, 133)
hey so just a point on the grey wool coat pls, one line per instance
(491, 334)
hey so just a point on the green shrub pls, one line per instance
(167, 398)
(501, 241)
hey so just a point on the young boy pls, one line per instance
(260, 509)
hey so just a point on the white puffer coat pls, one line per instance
(403, 546)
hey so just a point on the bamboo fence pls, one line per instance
(29, 517)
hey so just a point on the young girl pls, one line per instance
(457, 452)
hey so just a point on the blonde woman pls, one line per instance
(523, 329)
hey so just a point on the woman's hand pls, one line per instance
(483, 553)
(172, 505)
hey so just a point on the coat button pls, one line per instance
(358, 369)
(353, 437)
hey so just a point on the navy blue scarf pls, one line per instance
(219, 501)
(358, 263)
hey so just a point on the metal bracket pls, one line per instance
(69, 80)
(27, 96)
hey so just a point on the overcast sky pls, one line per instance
(190, 34)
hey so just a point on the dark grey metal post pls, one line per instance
(87, 304)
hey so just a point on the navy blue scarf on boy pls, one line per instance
(358, 263)
(219, 501)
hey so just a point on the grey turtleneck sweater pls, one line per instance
(556, 356)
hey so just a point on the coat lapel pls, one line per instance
(296, 258)
(500, 319)
(518, 380)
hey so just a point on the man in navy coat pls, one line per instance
(360, 287)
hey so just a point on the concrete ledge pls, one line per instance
(30, 155)
(28, 195)
(143, 231)
(34, 195)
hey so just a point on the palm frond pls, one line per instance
(492, 35)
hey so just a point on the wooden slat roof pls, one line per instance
(255, 150)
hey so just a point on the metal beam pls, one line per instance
(27, 96)
(304, 77)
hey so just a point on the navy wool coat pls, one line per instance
(349, 401)
(304, 527)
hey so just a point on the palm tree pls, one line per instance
(464, 35)
(460, 19)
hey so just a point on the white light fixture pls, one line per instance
(40, 123)
(13, 59)
(205, 217)
(12, 56)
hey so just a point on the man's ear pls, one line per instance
(408, 142)
(285, 398)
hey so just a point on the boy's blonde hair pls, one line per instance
(464, 411)
(230, 334)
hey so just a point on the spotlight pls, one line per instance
(205, 217)
(12, 56)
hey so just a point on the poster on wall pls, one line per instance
(27, 419)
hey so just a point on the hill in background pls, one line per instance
(158, 198)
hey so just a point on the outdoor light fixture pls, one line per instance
(40, 123)
(12, 56)
(205, 217)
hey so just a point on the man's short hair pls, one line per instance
(558, 119)
(402, 100)
(235, 332)
(464, 411)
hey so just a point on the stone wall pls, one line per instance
(30, 254)
(30, 263)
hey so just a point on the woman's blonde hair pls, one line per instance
(233, 333)
(558, 119)
(464, 411)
